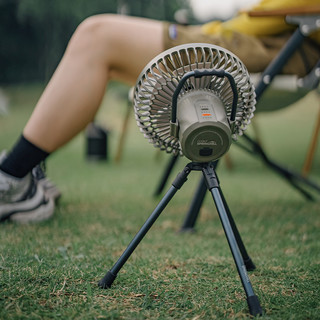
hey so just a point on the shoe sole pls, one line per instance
(27, 206)
(41, 213)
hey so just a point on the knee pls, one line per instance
(92, 34)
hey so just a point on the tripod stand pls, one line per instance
(240, 255)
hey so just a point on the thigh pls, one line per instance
(129, 43)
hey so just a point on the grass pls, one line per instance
(50, 270)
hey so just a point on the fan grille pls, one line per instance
(159, 79)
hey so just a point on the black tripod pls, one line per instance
(240, 255)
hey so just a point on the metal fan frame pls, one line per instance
(158, 80)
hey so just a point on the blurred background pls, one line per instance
(35, 33)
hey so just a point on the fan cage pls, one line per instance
(159, 79)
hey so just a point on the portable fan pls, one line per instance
(194, 99)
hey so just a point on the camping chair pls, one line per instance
(307, 22)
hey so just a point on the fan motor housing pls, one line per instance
(204, 131)
(201, 138)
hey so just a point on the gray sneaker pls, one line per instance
(40, 177)
(49, 187)
(23, 200)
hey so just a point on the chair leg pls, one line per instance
(123, 133)
(256, 131)
(228, 161)
(227, 157)
(312, 148)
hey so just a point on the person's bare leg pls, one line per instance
(103, 47)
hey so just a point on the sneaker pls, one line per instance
(23, 200)
(39, 175)
(49, 187)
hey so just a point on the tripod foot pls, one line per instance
(107, 280)
(254, 306)
(250, 266)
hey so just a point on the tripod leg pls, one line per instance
(247, 260)
(197, 201)
(213, 186)
(110, 276)
(193, 214)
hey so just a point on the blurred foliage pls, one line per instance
(35, 33)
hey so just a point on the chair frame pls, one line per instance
(306, 25)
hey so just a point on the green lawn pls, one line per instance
(51, 270)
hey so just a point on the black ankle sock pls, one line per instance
(23, 158)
